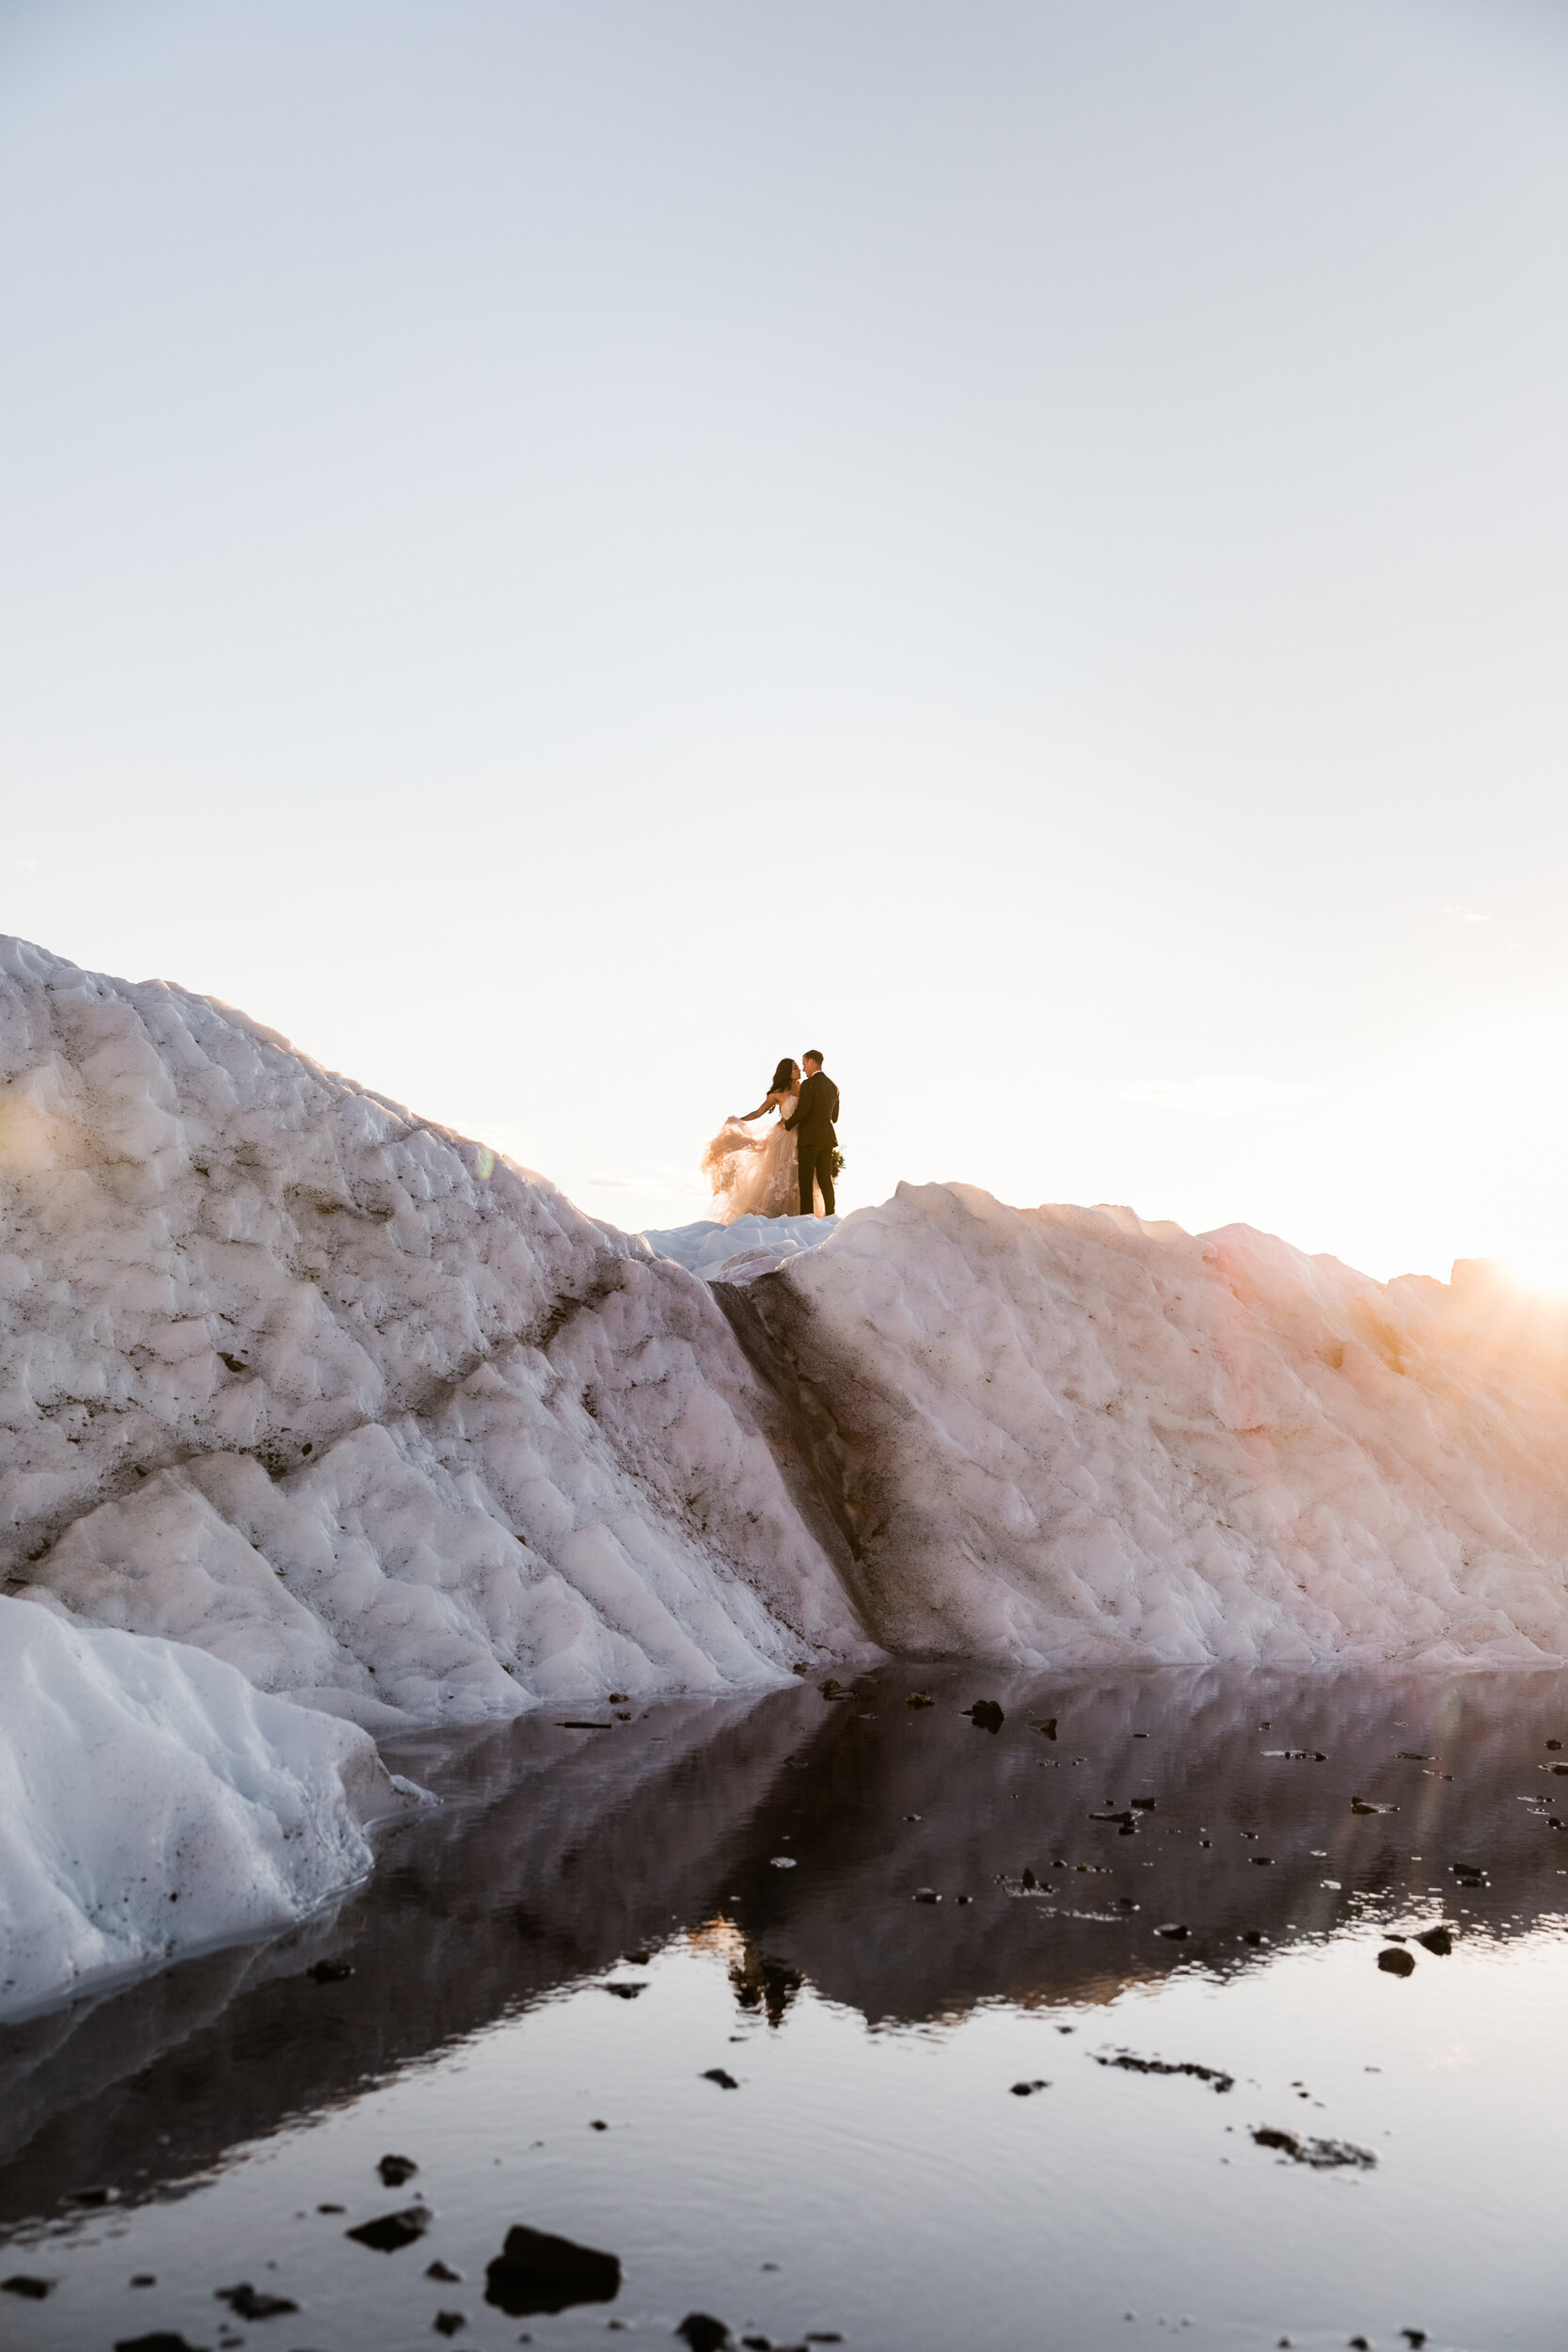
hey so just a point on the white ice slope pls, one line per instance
(152, 1801)
(1060, 1436)
(383, 1421)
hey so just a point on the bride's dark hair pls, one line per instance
(784, 1077)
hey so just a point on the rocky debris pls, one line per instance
(624, 1992)
(985, 1715)
(1395, 1962)
(390, 2232)
(160, 2340)
(1436, 1940)
(1321, 2154)
(394, 2171)
(444, 2273)
(1361, 1805)
(1173, 1932)
(1469, 1873)
(926, 1895)
(535, 2272)
(718, 2074)
(447, 2322)
(700, 2332)
(920, 1698)
(1020, 2091)
(329, 1971)
(1131, 2064)
(1049, 1728)
(248, 2302)
(33, 2289)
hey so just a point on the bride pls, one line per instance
(756, 1175)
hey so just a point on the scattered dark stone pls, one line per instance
(1359, 2344)
(1438, 1939)
(573, 1724)
(823, 2335)
(832, 1688)
(1173, 1932)
(1396, 1962)
(1554, 1745)
(1125, 1902)
(920, 1698)
(246, 2302)
(1296, 1755)
(1558, 1768)
(624, 1992)
(757, 2344)
(329, 1971)
(1020, 2091)
(598, 2126)
(1029, 1879)
(638, 1960)
(1322, 2155)
(1416, 2337)
(34, 2289)
(619, 1698)
(93, 2197)
(1143, 1804)
(537, 2272)
(702, 2332)
(1359, 1804)
(447, 2322)
(985, 1715)
(717, 2074)
(332, 2209)
(963, 1899)
(160, 2341)
(926, 1895)
(1414, 1756)
(144, 2278)
(1254, 1936)
(444, 2272)
(1049, 1727)
(390, 2232)
(394, 2171)
(1133, 2065)
(1261, 1861)
(1469, 1873)
(1124, 1817)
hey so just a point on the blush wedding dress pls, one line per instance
(756, 1175)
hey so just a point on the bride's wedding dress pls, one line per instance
(755, 1175)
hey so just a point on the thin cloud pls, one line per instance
(1218, 1097)
(1466, 914)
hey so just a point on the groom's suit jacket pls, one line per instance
(815, 1111)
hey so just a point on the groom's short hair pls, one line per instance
(812, 1055)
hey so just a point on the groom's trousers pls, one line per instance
(815, 1160)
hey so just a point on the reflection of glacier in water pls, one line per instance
(873, 2149)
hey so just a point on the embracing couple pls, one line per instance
(789, 1170)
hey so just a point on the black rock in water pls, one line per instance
(985, 1715)
(394, 2171)
(246, 2302)
(1173, 1932)
(329, 1971)
(1436, 1940)
(1049, 1727)
(624, 1992)
(1321, 2154)
(718, 2074)
(444, 2272)
(1394, 1962)
(389, 2232)
(160, 2341)
(447, 2322)
(702, 2332)
(1131, 2064)
(34, 2289)
(535, 2272)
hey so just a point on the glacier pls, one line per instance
(343, 1406)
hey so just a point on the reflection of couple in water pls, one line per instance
(789, 1168)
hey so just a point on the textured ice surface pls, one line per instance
(383, 1421)
(1057, 1435)
(152, 1801)
(742, 1251)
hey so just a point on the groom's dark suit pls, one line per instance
(814, 1138)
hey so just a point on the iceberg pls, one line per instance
(344, 1400)
(1063, 1436)
(152, 1803)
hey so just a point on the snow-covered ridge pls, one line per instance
(339, 1397)
(1063, 1437)
(152, 1801)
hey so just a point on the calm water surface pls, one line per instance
(873, 2176)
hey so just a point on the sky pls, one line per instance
(558, 550)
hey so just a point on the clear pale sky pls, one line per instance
(556, 552)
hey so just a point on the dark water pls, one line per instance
(873, 2176)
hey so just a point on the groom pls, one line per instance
(814, 1138)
